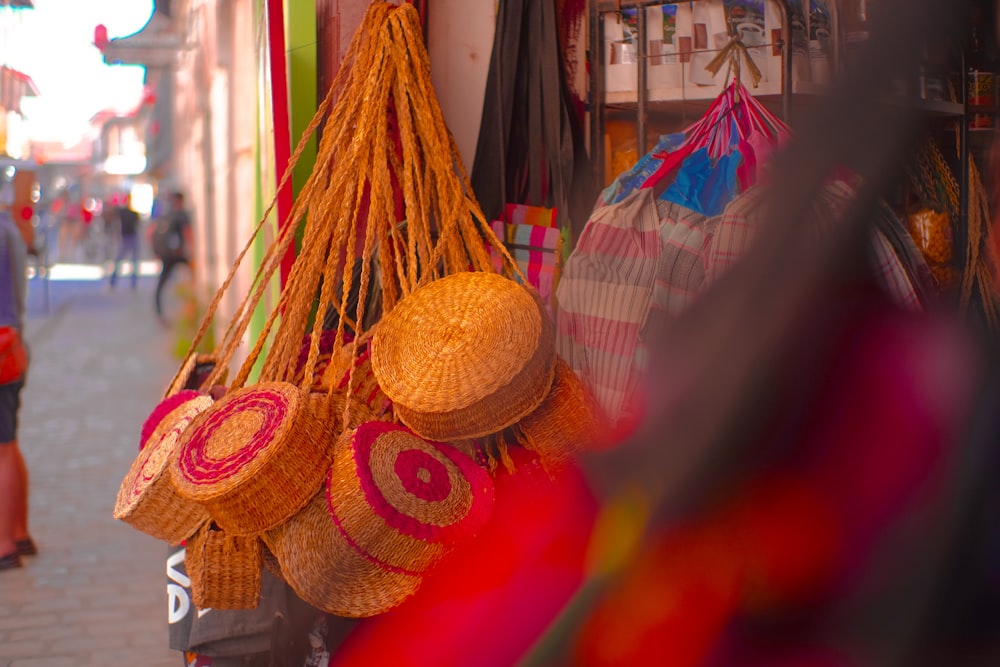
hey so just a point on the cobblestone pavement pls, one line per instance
(96, 592)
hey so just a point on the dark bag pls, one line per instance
(167, 240)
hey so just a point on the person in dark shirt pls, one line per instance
(174, 246)
(128, 248)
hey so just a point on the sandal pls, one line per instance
(10, 561)
(26, 547)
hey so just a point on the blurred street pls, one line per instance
(96, 592)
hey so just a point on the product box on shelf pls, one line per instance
(683, 38)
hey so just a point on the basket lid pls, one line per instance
(465, 355)
(256, 457)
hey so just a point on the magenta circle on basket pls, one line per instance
(198, 468)
(162, 410)
(430, 476)
(154, 456)
(422, 475)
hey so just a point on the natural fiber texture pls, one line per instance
(403, 501)
(394, 505)
(566, 423)
(256, 457)
(323, 569)
(225, 570)
(159, 415)
(402, 210)
(147, 500)
(359, 380)
(270, 561)
(465, 356)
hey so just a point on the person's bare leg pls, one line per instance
(11, 495)
(21, 506)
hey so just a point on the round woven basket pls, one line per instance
(256, 457)
(147, 500)
(161, 416)
(394, 505)
(326, 571)
(465, 356)
(404, 501)
(225, 570)
(566, 422)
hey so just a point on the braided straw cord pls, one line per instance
(465, 356)
(225, 570)
(402, 501)
(359, 168)
(566, 423)
(147, 500)
(256, 457)
(326, 571)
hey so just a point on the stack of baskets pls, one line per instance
(345, 467)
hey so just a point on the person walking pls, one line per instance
(171, 243)
(128, 242)
(15, 540)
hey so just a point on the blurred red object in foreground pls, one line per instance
(860, 446)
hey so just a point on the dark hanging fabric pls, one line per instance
(531, 148)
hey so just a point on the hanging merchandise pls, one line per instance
(704, 166)
(387, 208)
(466, 356)
(531, 148)
(392, 506)
(535, 241)
(933, 180)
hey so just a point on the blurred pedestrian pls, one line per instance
(128, 245)
(15, 541)
(171, 243)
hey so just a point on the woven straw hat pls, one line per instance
(225, 570)
(256, 457)
(465, 356)
(147, 500)
(394, 505)
(566, 422)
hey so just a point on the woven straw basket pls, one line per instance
(147, 500)
(394, 505)
(326, 571)
(566, 422)
(160, 418)
(225, 570)
(256, 457)
(465, 356)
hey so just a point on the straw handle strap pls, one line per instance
(220, 293)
